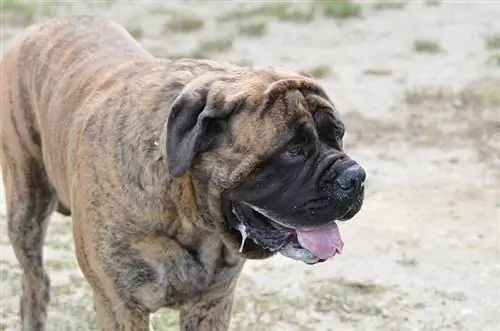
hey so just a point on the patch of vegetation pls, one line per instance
(10, 274)
(320, 71)
(26, 12)
(433, 3)
(74, 306)
(91, 4)
(362, 129)
(493, 41)
(378, 72)
(136, 32)
(10, 277)
(61, 228)
(485, 94)
(441, 116)
(452, 296)
(280, 10)
(17, 12)
(165, 321)
(252, 29)
(426, 46)
(163, 10)
(418, 96)
(408, 262)
(389, 4)
(494, 58)
(353, 300)
(183, 23)
(215, 46)
(176, 56)
(60, 264)
(59, 243)
(15, 5)
(340, 9)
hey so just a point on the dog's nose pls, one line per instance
(351, 177)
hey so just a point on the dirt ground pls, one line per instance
(418, 86)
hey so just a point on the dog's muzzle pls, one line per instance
(351, 179)
(302, 230)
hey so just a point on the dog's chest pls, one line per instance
(186, 272)
(219, 264)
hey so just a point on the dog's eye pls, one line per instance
(339, 130)
(294, 152)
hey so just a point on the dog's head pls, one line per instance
(265, 150)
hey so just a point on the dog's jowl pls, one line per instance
(174, 172)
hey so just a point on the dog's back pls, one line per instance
(47, 73)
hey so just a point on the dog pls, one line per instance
(175, 172)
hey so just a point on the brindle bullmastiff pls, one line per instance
(174, 172)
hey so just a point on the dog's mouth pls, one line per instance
(310, 245)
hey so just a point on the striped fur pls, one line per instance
(84, 111)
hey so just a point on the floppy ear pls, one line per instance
(191, 126)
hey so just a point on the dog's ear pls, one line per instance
(196, 117)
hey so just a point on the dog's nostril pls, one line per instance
(345, 183)
(351, 177)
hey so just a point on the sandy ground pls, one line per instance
(418, 86)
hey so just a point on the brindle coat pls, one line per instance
(85, 114)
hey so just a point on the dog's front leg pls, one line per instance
(116, 316)
(207, 314)
(115, 312)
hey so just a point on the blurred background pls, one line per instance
(417, 84)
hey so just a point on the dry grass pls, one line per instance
(441, 117)
(183, 23)
(17, 12)
(252, 29)
(255, 29)
(389, 4)
(494, 58)
(482, 94)
(288, 11)
(136, 32)
(163, 10)
(341, 9)
(282, 11)
(211, 46)
(244, 63)
(438, 117)
(433, 3)
(364, 130)
(349, 300)
(493, 41)
(426, 46)
(320, 71)
(22, 13)
(377, 72)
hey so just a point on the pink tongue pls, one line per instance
(323, 242)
